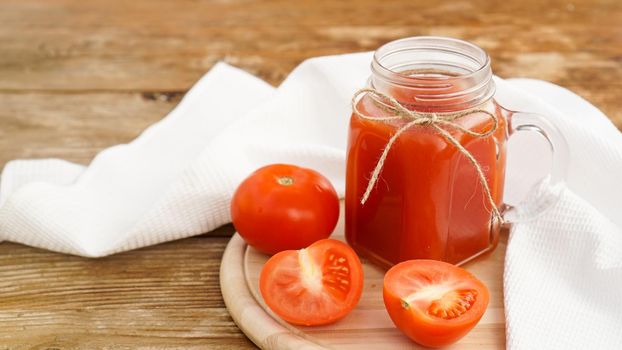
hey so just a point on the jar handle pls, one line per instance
(533, 122)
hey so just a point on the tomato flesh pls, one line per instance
(313, 286)
(433, 302)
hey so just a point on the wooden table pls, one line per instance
(79, 76)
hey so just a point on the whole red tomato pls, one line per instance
(283, 207)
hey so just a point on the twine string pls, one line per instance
(435, 120)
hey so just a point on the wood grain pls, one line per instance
(75, 126)
(79, 76)
(164, 297)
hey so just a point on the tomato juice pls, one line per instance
(428, 202)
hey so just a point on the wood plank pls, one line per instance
(75, 126)
(166, 47)
(149, 46)
(162, 297)
(89, 341)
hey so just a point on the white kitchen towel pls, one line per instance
(176, 179)
(563, 267)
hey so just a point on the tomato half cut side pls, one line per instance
(433, 302)
(313, 286)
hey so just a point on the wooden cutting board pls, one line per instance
(366, 327)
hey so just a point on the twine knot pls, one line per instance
(433, 120)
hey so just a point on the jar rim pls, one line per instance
(430, 42)
(464, 76)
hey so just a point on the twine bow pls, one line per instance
(435, 121)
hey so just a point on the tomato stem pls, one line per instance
(285, 180)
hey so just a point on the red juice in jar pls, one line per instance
(428, 202)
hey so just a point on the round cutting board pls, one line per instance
(368, 326)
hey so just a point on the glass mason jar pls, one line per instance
(428, 201)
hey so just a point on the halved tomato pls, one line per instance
(313, 286)
(433, 302)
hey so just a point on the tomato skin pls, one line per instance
(283, 288)
(418, 324)
(281, 207)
